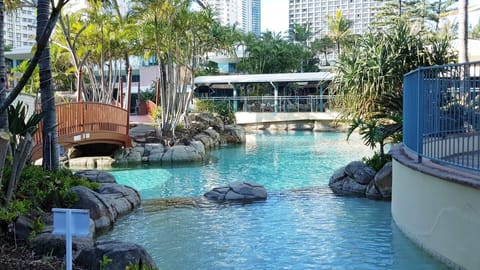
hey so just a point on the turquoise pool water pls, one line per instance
(302, 225)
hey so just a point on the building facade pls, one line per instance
(20, 27)
(315, 12)
(244, 14)
(251, 16)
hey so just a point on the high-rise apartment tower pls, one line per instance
(315, 12)
(20, 27)
(244, 14)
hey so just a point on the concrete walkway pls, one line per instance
(141, 119)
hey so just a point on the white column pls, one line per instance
(275, 96)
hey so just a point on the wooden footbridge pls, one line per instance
(83, 123)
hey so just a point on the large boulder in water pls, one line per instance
(209, 137)
(360, 172)
(352, 180)
(238, 191)
(233, 134)
(121, 255)
(100, 209)
(184, 153)
(107, 203)
(205, 120)
(383, 181)
(358, 179)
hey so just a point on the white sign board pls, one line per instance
(79, 224)
(70, 222)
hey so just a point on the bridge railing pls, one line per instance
(441, 114)
(86, 117)
(314, 103)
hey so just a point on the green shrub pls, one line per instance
(38, 226)
(377, 161)
(157, 113)
(147, 95)
(138, 266)
(205, 106)
(45, 189)
(13, 210)
(221, 108)
(104, 262)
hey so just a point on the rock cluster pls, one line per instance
(209, 132)
(357, 179)
(106, 204)
(238, 190)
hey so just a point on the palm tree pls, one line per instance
(475, 33)
(301, 36)
(463, 31)
(49, 131)
(323, 46)
(301, 33)
(41, 44)
(374, 67)
(339, 28)
(4, 139)
(179, 39)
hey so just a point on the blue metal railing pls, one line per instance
(441, 114)
(316, 103)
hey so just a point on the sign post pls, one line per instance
(70, 222)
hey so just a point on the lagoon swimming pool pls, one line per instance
(302, 225)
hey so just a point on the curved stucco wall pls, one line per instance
(437, 212)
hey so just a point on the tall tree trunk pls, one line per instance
(49, 132)
(3, 115)
(463, 31)
(42, 42)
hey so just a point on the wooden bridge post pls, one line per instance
(120, 92)
(129, 98)
(157, 93)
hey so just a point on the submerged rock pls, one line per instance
(238, 191)
(121, 255)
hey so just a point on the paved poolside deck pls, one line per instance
(140, 119)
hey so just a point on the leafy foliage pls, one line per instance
(377, 132)
(14, 209)
(475, 32)
(377, 161)
(104, 262)
(157, 114)
(270, 53)
(44, 189)
(19, 123)
(339, 28)
(138, 266)
(374, 66)
(147, 95)
(33, 82)
(222, 108)
(208, 68)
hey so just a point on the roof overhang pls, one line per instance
(20, 53)
(265, 78)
